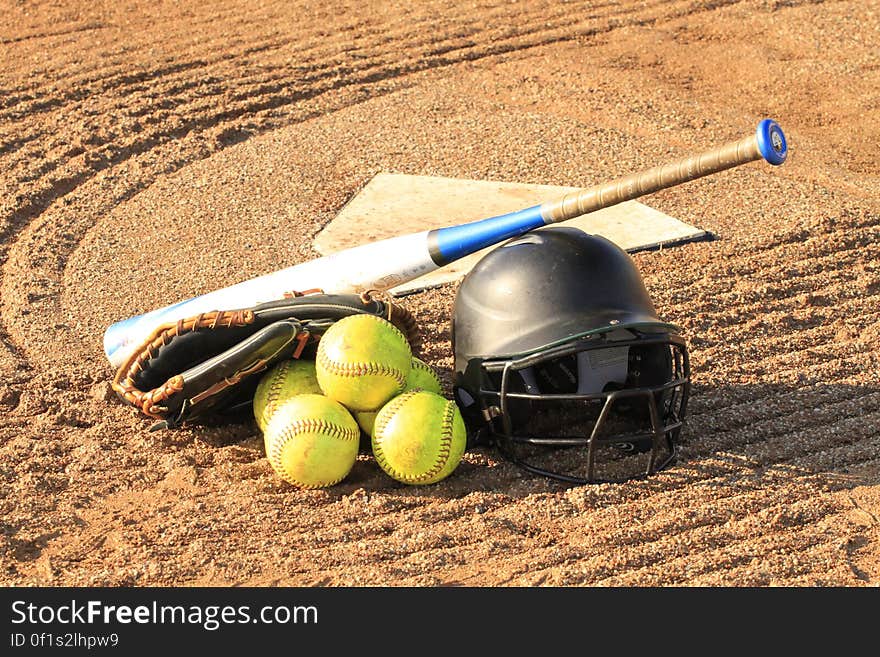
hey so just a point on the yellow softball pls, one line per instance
(421, 376)
(286, 379)
(362, 362)
(419, 437)
(311, 441)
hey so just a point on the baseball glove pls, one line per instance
(209, 364)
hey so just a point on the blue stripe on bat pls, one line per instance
(448, 244)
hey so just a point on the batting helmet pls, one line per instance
(558, 345)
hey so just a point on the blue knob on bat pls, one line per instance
(771, 142)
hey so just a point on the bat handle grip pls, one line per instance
(767, 142)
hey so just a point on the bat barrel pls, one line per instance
(768, 143)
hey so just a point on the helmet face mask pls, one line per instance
(599, 395)
(578, 432)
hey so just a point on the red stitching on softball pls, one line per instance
(359, 369)
(275, 385)
(305, 426)
(444, 450)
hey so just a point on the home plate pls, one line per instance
(396, 204)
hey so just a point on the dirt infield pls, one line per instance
(153, 151)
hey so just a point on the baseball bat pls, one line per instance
(387, 263)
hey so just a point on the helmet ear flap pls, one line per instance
(519, 410)
(649, 365)
(473, 416)
(472, 402)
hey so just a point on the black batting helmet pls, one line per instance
(558, 345)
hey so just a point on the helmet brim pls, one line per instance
(518, 347)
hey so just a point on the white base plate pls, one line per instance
(397, 204)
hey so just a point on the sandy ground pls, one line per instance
(150, 151)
